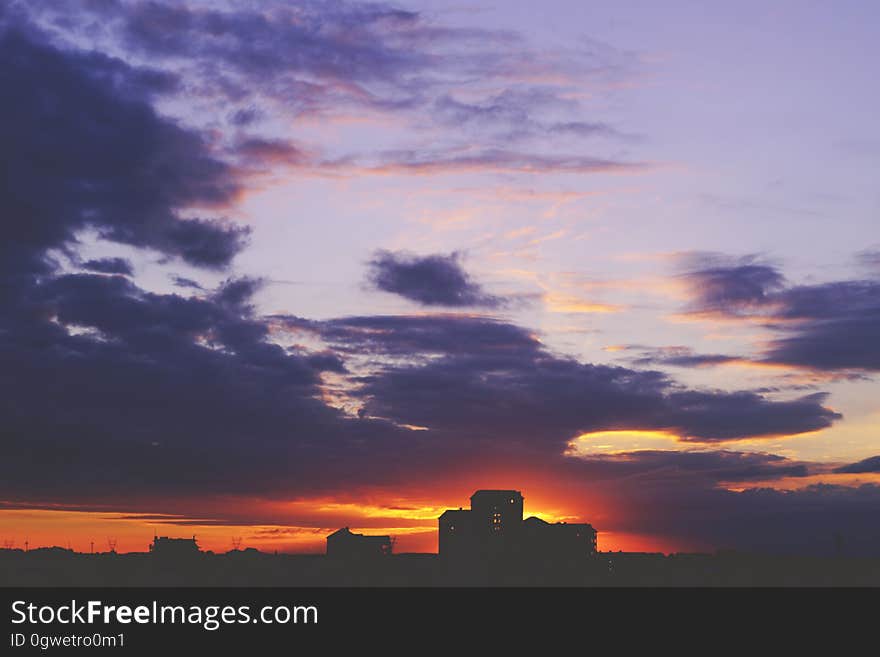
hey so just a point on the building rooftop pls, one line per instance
(345, 531)
(496, 492)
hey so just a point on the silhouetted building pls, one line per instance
(560, 539)
(497, 512)
(455, 532)
(494, 526)
(493, 520)
(345, 544)
(174, 548)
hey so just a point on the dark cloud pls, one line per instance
(814, 519)
(163, 395)
(871, 464)
(717, 416)
(730, 286)
(434, 280)
(468, 376)
(109, 266)
(107, 389)
(825, 326)
(841, 344)
(401, 335)
(540, 400)
(236, 293)
(83, 148)
(182, 281)
(335, 58)
(245, 116)
(723, 499)
(710, 466)
(678, 356)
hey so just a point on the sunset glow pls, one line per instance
(271, 269)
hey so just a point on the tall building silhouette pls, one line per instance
(494, 527)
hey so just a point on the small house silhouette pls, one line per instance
(345, 544)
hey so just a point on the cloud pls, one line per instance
(357, 41)
(498, 160)
(513, 114)
(677, 356)
(182, 281)
(476, 378)
(244, 116)
(400, 335)
(539, 400)
(433, 280)
(870, 259)
(85, 149)
(729, 286)
(871, 464)
(108, 389)
(162, 395)
(825, 326)
(710, 466)
(692, 510)
(330, 59)
(722, 499)
(257, 150)
(109, 266)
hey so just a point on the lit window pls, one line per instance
(496, 521)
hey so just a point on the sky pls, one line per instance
(273, 268)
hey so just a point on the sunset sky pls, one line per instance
(273, 268)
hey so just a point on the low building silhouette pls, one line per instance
(345, 544)
(561, 539)
(174, 548)
(494, 527)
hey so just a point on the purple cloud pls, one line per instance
(434, 280)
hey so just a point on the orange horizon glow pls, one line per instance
(301, 525)
(92, 531)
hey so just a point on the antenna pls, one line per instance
(111, 543)
(26, 543)
(236, 543)
(91, 547)
(8, 543)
